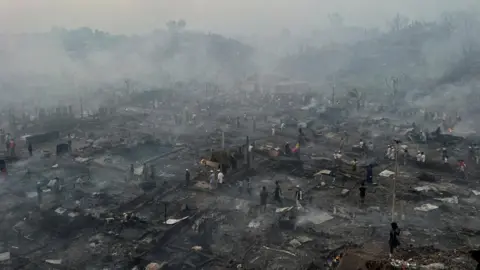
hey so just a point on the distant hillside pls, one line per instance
(62, 61)
(418, 50)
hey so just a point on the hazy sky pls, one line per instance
(226, 16)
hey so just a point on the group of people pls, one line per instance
(421, 157)
(215, 178)
(278, 196)
(148, 172)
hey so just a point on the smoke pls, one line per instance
(426, 54)
(313, 216)
(61, 63)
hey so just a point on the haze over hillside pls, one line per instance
(225, 17)
(86, 46)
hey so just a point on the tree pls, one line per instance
(171, 25)
(175, 26)
(393, 86)
(399, 22)
(127, 86)
(285, 33)
(447, 23)
(181, 24)
(357, 96)
(336, 20)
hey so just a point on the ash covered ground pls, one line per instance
(116, 196)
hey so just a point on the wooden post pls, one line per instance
(247, 153)
(165, 212)
(333, 95)
(223, 140)
(81, 107)
(395, 182)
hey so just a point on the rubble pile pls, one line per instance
(431, 258)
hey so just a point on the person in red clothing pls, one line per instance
(462, 167)
(12, 148)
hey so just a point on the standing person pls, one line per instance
(363, 190)
(419, 156)
(233, 161)
(470, 152)
(388, 152)
(69, 143)
(273, 130)
(300, 132)
(296, 150)
(152, 172)
(39, 193)
(354, 165)
(345, 136)
(333, 174)
(12, 147)
(405, 156)
(288, 150)
(240, 187)
(278, 193)
(250, 148)
(444, 154)
(369, 174)
(145, 172)
(187, 177)
(7, 142)
(298, 196)
(30, 149)
(132, 172)
(263, 198)
(211, 179)
(249, 186)
(475, 153)
(369, 146)
(462, 166)
(337, 155)
(393, 152)
(393, 241)
(220, 177)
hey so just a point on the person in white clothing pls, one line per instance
(423, 158)
(337, 155)
(388, 152)
(419, 156)
(273, 130)
(393, 151)
(361, 143)
(220, 177)
(370, 146)
(211, 179)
